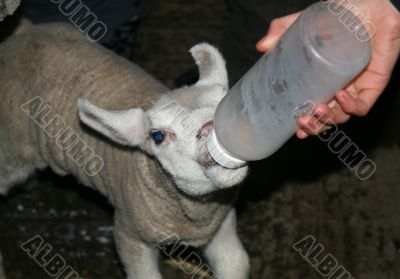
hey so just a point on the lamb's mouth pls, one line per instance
(205, 157)
(207, 160)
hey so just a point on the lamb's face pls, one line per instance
(175, 129)
(178, 132)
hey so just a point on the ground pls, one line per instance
(303, 190)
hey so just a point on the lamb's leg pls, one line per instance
(225, 252)
(140, 260)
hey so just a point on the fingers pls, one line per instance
(276, 29)
(308, 126)
(337, 111)
(339, 116)
(359, 105)
(323, 117)
(301, 134)
(314, 124)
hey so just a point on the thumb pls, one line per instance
(276, 29)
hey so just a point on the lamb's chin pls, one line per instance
(225, 178)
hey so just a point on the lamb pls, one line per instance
(141, 145)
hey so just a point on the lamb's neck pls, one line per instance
(159, 190)
(67, 147)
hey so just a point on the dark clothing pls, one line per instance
(250, 21)
(112, 13)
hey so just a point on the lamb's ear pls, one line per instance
(127, 127)
(211, 65)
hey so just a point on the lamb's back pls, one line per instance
(56, 63)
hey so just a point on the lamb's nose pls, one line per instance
(205, 130)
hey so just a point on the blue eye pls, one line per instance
(158, 136)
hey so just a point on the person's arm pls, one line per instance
(362, 93)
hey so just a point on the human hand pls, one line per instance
(358, 97)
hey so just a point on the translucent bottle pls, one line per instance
(320, 53)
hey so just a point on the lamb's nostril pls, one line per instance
(205, 130)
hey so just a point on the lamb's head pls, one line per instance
(175, 129)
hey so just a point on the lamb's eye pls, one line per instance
(158, 136)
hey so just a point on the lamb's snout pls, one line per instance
(205, 158)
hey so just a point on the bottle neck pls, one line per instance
(220, 155)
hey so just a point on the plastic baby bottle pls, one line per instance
(320, 53)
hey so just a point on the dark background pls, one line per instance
(302, 190)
